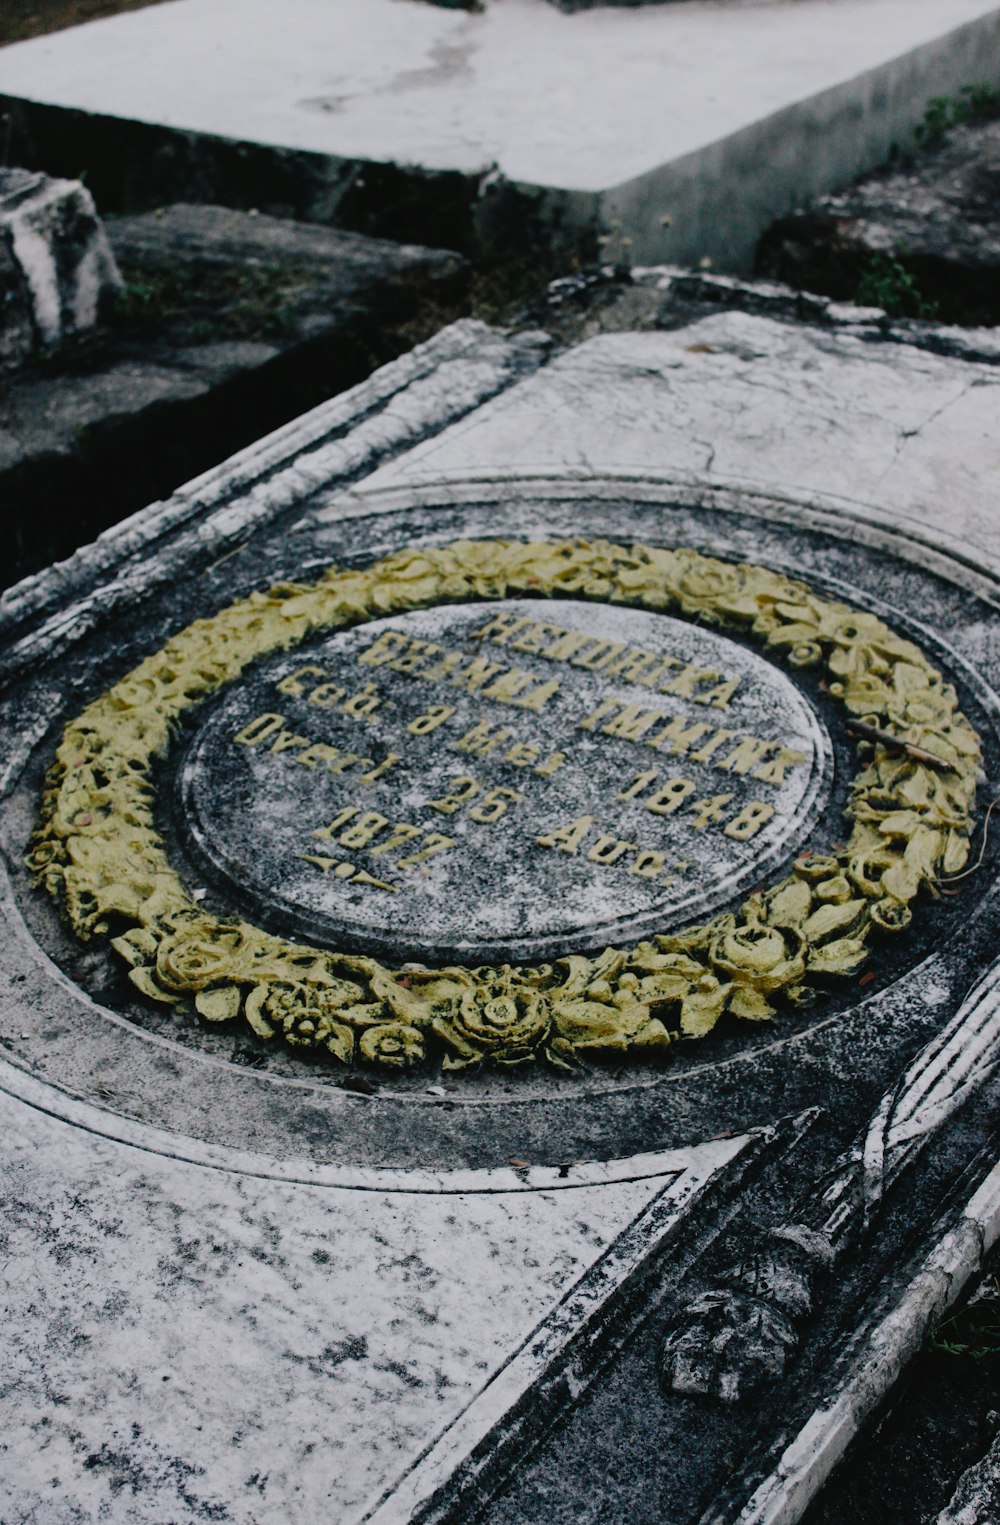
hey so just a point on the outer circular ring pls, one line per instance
(97, 850)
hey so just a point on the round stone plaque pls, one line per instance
(514, 780)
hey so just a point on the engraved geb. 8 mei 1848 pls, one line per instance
(97, 848)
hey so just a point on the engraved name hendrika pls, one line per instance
(560, 779)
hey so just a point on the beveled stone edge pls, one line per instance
(869, 525)
(339, 441)
(558, 1351)
(885, 1338)
(53, 1101)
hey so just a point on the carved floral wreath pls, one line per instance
(96, 848)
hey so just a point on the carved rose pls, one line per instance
(702, 583)
(307, 1016)
(392, 1044)
(503, 1022)
(764, 957)
(200, 954)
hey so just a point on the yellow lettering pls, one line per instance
(494, 804)
(365, 702)
(430, 719)
(509, 685)
(539, 697)
(749, 821)
(687, 681)
(609, 850)
(292, 684)
(391, 643)
(647, 865)
(478, 672)
(637, 666)
(460, 792)
(567, 838)
(480, 740)
(632, 723)
(501, 627)
(709, 812)
(445, 667)
(347, 760)
(317, 753)
(363, 829)
(713, 744)
(551, 765)
(259, 729)
(568, 644)
(679, 734)
(434, 842)
(401, 833)
(638, 784)
(286, 741)
(391, 759)
(522, 754)
(773, 771)
(672, 795)
(327, 694)
(534, 636)
(419, 652)
(602, 712)
(746, 754)
(326, 832)
(719, 697)
(603, 652)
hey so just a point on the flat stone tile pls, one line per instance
(715, 114)
(902, 436)
(183, 1343)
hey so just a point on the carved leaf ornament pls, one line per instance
(97, 851)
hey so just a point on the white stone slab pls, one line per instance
(179, 1339)
(886, 434)
(718, 113)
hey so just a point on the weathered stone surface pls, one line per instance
(428, 1271)
(976, 1500)
(937, 215)
(543, 752)
(57, 270)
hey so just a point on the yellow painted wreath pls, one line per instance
(96, 847)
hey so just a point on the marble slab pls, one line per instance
(247, 1283)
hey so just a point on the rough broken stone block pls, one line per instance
(935, 217)
(56, 267)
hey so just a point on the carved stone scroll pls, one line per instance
(746, 1331)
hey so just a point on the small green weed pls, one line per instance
(974, 103)
(972, 1332)
(886, 283)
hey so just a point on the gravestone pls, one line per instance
(500, 940)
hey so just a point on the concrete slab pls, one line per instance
(716, 114)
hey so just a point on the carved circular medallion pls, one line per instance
(98, 848)
(475, 784)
